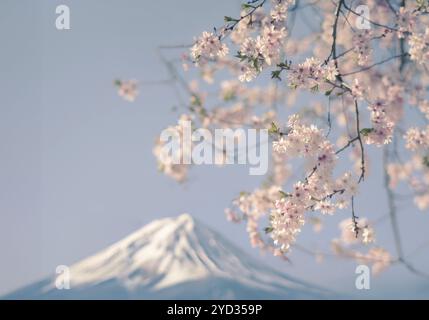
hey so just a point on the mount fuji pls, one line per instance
(172, 258)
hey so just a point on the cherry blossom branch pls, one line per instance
(391, 7)
(156, 82)
(370, 21)
(264, 45)
(333, 52)
(178, 46)
(376, 64)
(394, 221)
(347, 51)
(354, 218)
(362, 175)
(402, 46)
(344, 255)
(234, 22)
(348, 144)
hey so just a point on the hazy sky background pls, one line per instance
(76, 168)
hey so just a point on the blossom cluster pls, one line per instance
(406, 21)
(419, 47)
(417, 139)
(166, 163)
(386, 112)
(415, 173)
(359, 231)
(208, 46)
(286, 222)
(317, 189)
(127, 89)
(260, 38)
(378, 257)
(252, 207)
(362, 46)
(367, 79)
(312, 74)
(308, 142)
(257, 53)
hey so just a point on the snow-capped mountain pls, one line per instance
(172, 258)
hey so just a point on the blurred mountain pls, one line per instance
(172, 258)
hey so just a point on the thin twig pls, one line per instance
(376, 64)
(359, 138)
(355, 218)
(370, 21)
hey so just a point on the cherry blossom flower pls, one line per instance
(127, 89)
(280, 146)
(208, 46)
(380, 259)
(287, 221)
(417, 139)
(406, 21)
(419, 47)
(362, 46)
(359, 232)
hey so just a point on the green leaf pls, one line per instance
(255, 63)
(426, 161)
(274, 129)
(276, 74)
(229, 19)
(196, 101)
(366, 131)
(229, 96)
(203, 112)
(284, 65)
(246, 6)
(241, 56)
(268, 229)
(328, 93)
(284, 194)
(315, 88)
(422, 4)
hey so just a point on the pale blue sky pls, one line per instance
(76, 166)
